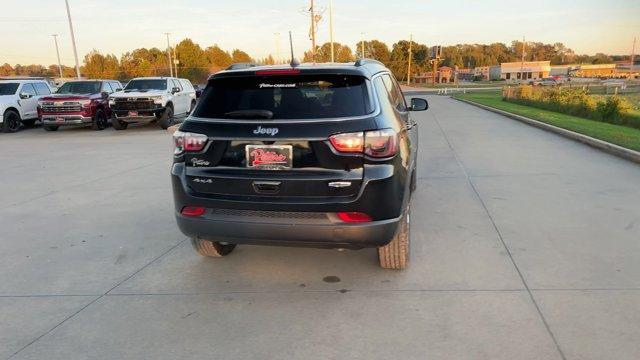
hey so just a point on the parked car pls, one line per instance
(164, 99)
(198, 89)
(19, 102)
(544, 82)
(561, 79)
(320, 155)
(81, 102)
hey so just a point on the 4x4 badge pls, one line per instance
(269, 131)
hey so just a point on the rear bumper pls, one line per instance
(253, 220)
(288, 232)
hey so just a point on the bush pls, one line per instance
(613, 109)
(573, 101)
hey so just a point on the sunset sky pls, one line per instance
(117, 26)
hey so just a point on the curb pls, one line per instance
(608, 147)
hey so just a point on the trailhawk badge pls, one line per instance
(265, 131)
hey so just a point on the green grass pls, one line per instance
(615, 134)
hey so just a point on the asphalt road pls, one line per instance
(525, 245)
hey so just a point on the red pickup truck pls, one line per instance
(82, 102)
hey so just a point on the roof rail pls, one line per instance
(364, 61)
(238, 66)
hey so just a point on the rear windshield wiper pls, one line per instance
(249, 114)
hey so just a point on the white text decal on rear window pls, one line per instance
(263, 85)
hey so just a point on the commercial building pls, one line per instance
(487, 73)
(560, 70)
(464, 74)
(444, 75)
(593, 70)
(527, 70)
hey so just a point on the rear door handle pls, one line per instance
(266, 187)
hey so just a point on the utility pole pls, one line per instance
(73, 40)
(175, 62)
(409, 66)
(169, 55)
(313, 32)
(276, 59)
(331, 28)
(633, 55)
(522, 64)
(55, 39)
(362, 45)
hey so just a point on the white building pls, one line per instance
(529, 70)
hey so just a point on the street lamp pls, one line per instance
(277, 57)
(169, 55)
(55, 39)
(73, 40)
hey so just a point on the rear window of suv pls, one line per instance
(309, 96)
(8, 88)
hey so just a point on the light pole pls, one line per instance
(55, 39)
(169, 55)
(277, 57)
(362, 45)
(409, 65)
(73, 40)
(331, 28)
(522, 63)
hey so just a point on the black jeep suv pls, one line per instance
(308, 155)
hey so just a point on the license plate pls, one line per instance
(59, 120)
(269, 157)
(133, 113)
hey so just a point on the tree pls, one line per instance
(239, 56)
(268, 60)
(400, 59)
(601, 58)
(98, 66)
(193, 64)
(374, 49)
(6, 70)
(217, 58)
(341, 53)
(145, 62)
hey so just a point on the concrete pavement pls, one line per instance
(525, 245)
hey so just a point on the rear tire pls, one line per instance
(211, 248)
(395, 255)
(10, 121)
(118, 125)
(167, 118)
(99, 121)
(50, 128)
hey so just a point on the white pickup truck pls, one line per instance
(19, 102)
(152, 98)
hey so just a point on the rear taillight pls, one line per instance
(353, 217)
(348, 142)
(377, 144)
(193, 211)
(186, 141)
(381, 143)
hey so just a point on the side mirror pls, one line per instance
(118, 89)
(24, 95)
(105, 95)
(175, 90)
(418, 104)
